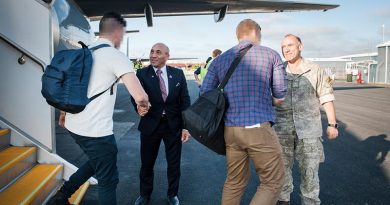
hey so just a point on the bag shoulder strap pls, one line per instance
(95, 47)
(99, 46)
(112, 86)
(233, 66)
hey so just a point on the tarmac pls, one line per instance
(356, 170)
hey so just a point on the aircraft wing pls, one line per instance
(139, 8)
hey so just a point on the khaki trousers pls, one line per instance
(262, 146)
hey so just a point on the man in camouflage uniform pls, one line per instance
(298, 121)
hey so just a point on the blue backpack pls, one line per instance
(65, 80)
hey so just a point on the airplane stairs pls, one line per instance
(25, 181)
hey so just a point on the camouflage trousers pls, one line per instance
(309, 153)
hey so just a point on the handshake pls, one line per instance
(143, 109)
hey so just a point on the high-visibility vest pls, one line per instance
(204, 69)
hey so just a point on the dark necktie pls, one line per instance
(162, 85)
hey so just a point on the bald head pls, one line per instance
(291, 48)
(293, 36)
(162, 47)
(159, 55)
(248, 30)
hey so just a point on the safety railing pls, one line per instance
(21, 59)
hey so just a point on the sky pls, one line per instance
(356, 26)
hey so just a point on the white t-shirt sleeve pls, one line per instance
(121, 64)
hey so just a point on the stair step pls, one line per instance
(4, 131)
(34, 186)
(14, 161)
(4, 138)
(79, 194)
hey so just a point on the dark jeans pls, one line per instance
(150, 145)
(102, 154)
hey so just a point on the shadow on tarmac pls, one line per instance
(356, 87)
(352, 172)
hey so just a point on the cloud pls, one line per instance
(352, 28)
(382, 12)
(270, 18)
(318, 40)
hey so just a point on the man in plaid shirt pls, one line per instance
(258, 82)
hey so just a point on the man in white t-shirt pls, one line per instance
(92, 128)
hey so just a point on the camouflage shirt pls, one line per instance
(300, 112)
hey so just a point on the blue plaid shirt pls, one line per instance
(259, 76)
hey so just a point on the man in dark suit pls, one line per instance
(168, 94)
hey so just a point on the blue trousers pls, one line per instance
(102, 154)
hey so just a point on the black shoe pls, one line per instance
(283, 203)
(141, 200)
(58, 199)
(173, 200)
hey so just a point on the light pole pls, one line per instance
(128, 40)
(383, 33)
(127, 47)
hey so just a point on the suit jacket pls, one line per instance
(177, 100)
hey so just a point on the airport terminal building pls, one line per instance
(383, 66)
(374, 67)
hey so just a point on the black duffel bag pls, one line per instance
(204, 118)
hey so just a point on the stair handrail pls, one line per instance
(23, 51)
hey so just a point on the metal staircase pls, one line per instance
(25, 181)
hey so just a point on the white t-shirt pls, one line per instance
(96, 119)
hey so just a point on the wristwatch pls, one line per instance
(333, 125)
